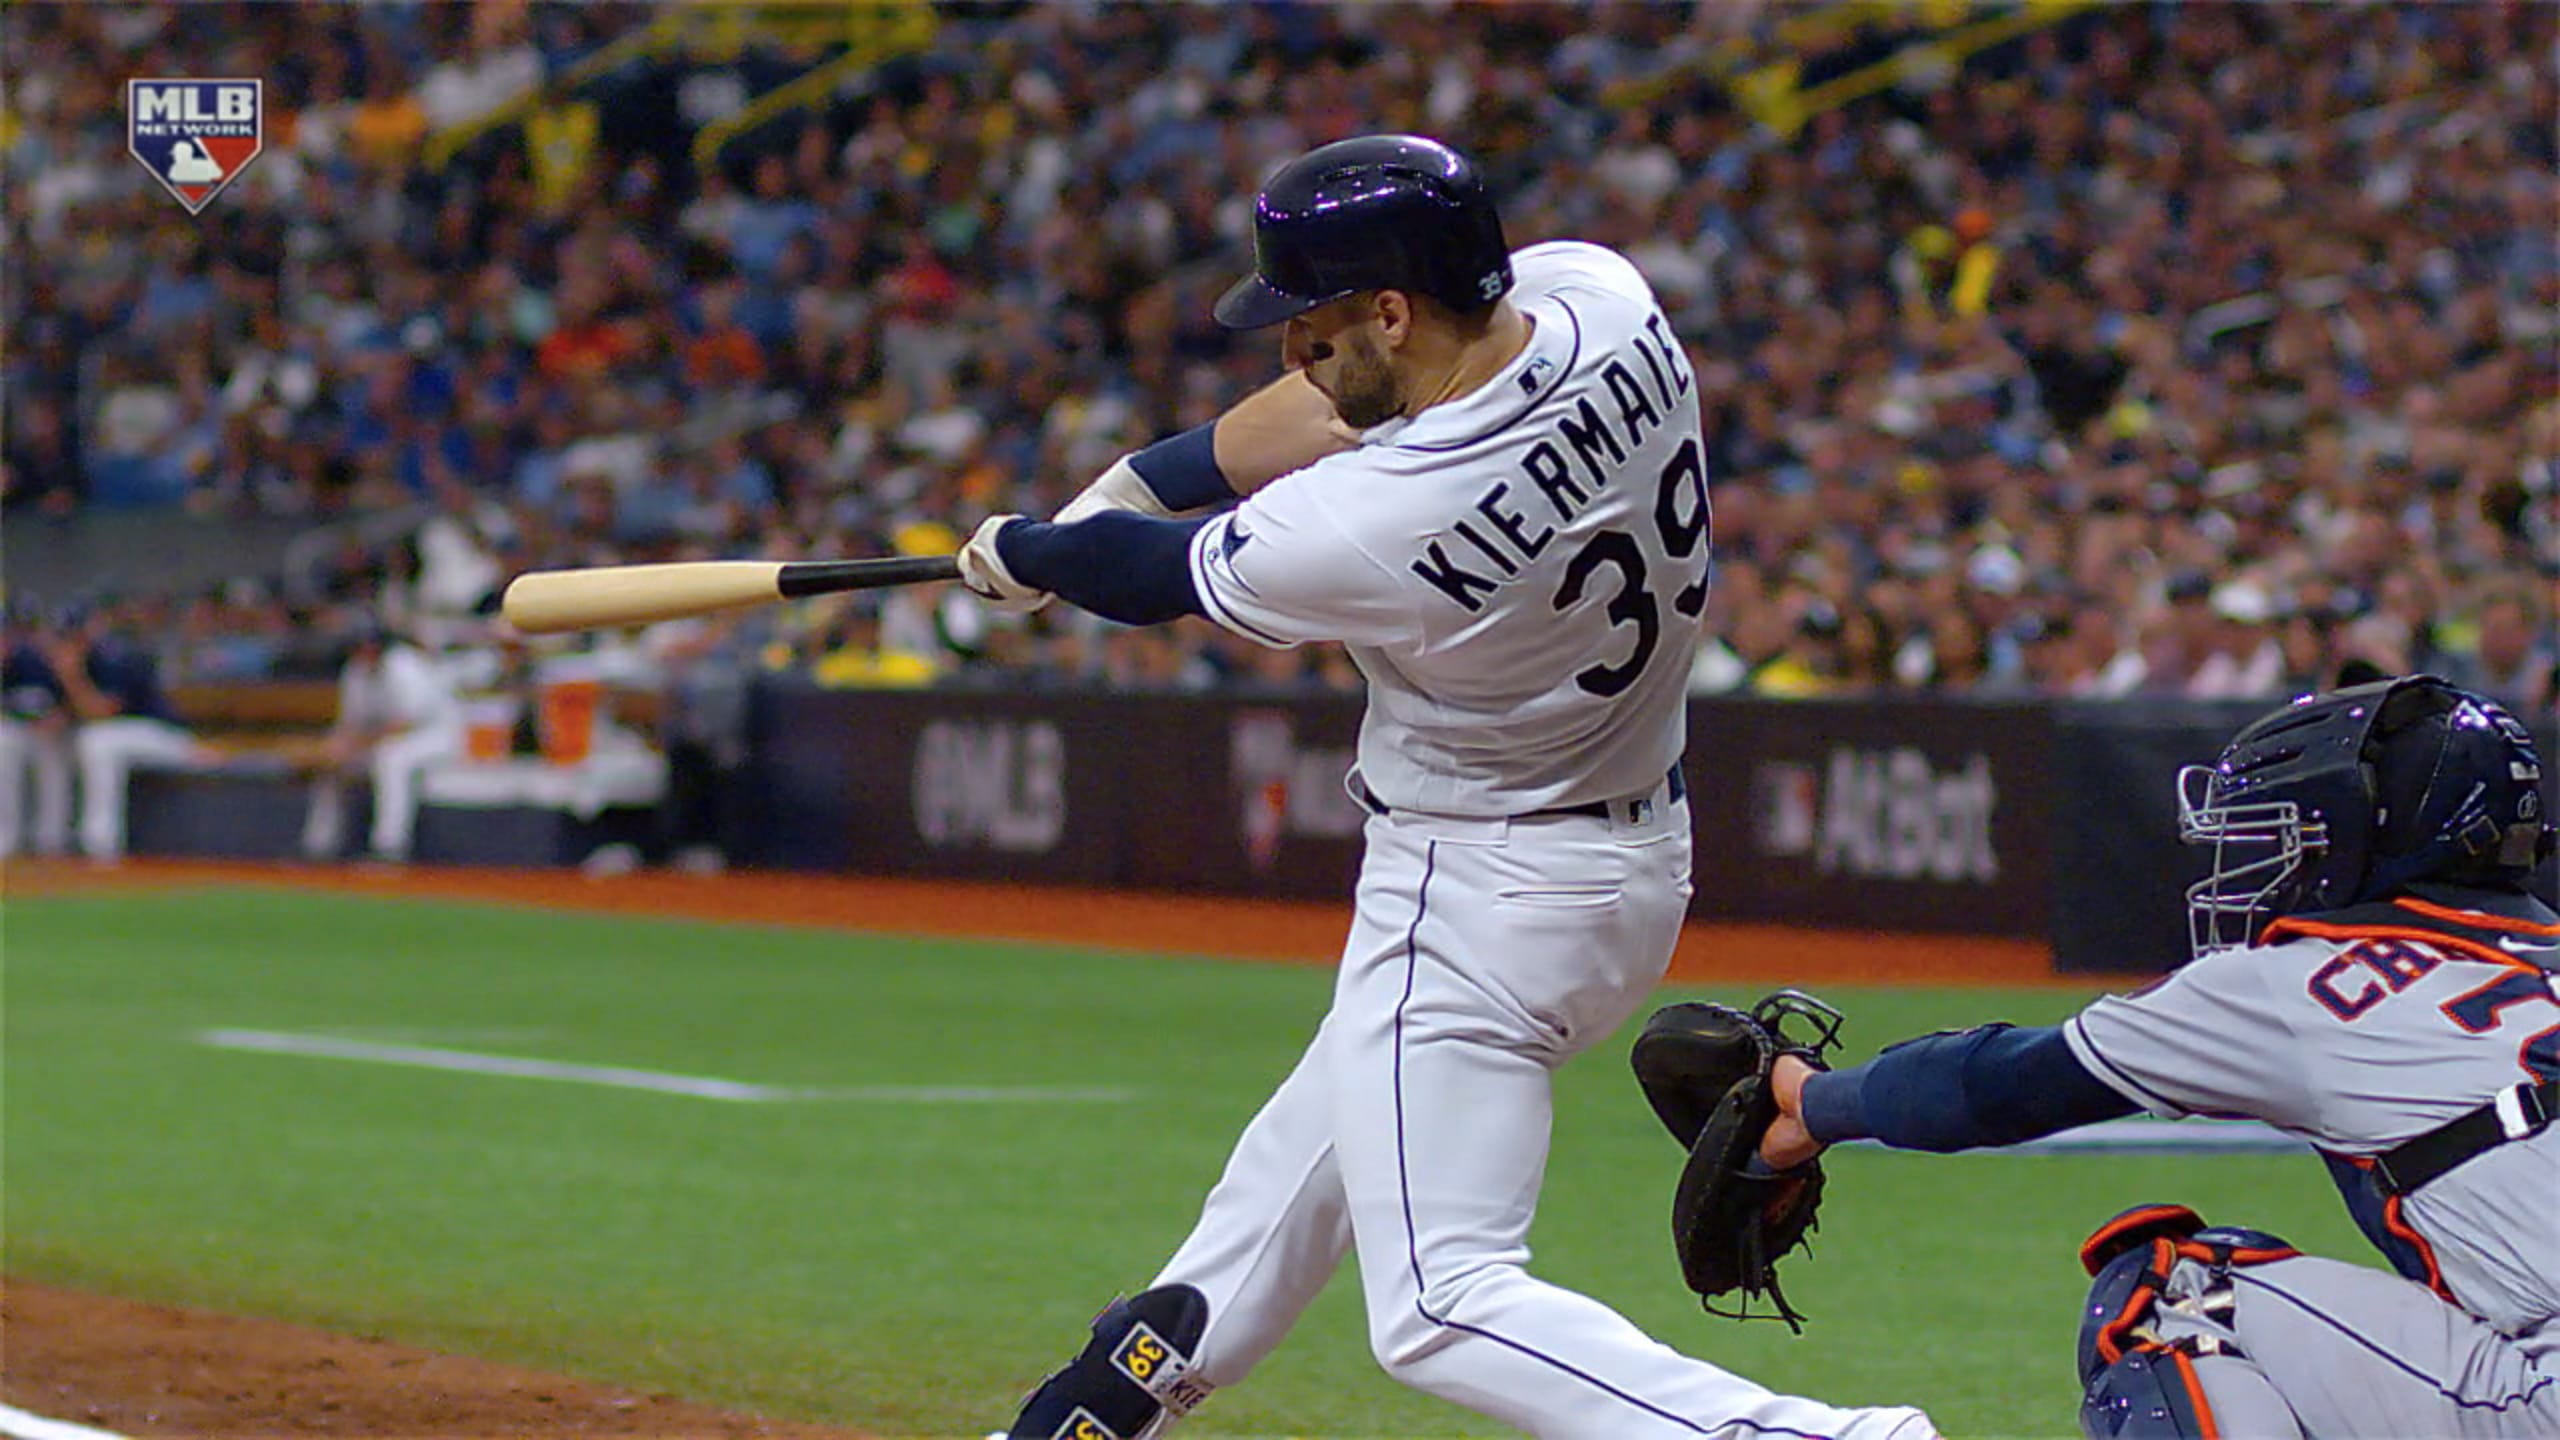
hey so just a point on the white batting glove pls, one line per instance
(1118, 488)
(983, 574)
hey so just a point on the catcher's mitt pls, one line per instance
(1706, 1070)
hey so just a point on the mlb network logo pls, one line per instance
(195, 136)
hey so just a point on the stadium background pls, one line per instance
(2079, 379)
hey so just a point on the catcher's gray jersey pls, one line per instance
(2357, 1033)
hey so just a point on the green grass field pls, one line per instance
(900, 1265)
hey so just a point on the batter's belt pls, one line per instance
(1630, 808)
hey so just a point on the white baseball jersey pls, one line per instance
(2358, 1034)
(406, 690)
(1520, 573)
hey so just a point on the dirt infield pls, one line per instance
(147, 1370)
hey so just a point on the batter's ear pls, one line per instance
(1396, 311)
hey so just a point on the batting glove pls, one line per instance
(1118, 488)
(983, 574)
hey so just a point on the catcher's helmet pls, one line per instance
(2348, 796)
(1381, 212)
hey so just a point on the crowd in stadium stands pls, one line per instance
(2186, 350)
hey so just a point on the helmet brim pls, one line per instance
(1251, 304)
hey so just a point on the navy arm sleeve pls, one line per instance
(1958, 1089)
(1183, 470)
(1120, 566)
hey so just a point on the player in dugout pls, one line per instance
(2374, 975)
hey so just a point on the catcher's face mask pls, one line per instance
(2337, 799)
(2272, 806)
(2258, 848)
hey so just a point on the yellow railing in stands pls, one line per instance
(1768, 92)
(718, 30)
(663, 33)
(871, 33)
(1769, 95)
(1809, 30)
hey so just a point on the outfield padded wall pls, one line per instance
(2030, 820)
(2027, 819)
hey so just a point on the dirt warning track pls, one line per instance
(1304, 932)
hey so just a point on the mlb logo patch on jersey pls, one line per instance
(195, 136)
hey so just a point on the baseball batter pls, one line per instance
(1483, 474)
(2373, 975)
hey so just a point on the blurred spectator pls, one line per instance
(2397, 635)
(845, 651)
(721, 352)
(2308, 640)
(39, 466)
(2513, 658)
(1722, 665)
(398, 710)
(2105, 661)
(385, 128)
(2252, 293)
(2186, 634)
(1951, 654)
(235, 633)
(1809, 663)
(1866, 651)
(2243, 659)
(1944, 272)
(1153, 659)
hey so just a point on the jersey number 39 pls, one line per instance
(1680, 517)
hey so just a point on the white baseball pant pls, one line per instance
(44, 751)
(398, 764)
(1415, 1130)
(109, 751)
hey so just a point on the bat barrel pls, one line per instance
(610, 595)
(544, 601)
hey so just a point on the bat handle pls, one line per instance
(826, 577)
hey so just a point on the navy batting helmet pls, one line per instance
(1382, 212)
(2348, 796)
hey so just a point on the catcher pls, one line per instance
(2374, 974)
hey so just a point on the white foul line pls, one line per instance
(277, 1042)
(23, 1426)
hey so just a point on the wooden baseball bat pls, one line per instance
(604, 596)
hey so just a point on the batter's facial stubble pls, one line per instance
(1346, 360)
(1365, 390)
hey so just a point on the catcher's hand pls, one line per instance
(1706, 1069)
